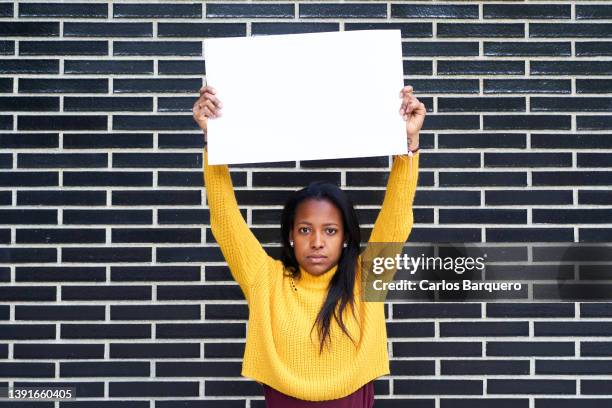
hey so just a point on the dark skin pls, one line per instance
(318, 233)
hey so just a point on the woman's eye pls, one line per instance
(331, 231)
(303, 230)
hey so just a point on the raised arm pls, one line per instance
(243, 253)
(394, 222)
(395, 219)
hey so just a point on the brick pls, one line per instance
(595, 387)
(484, 329)
(439, 310)
(27, 331)
(529, 348)
(186, 254)
(596, 235)
(593, 48)
(250, 10)
(408, 30)
(105, 217)
(63, 85)
(526, 86)
(570, 68)
(156, 197)
(156, 160)
(572, 216)
(175, 104)
(193, 179)
(484, 367)
(530, 310)
(379, 179)
(227, 388)
(114, 254)
(446, 235)
(441, 160)
(154, 389)
(155, 235)
(105, 331)
(154, 350)
(32, 370)
(569, 30)
(570, 141)
(59, 351)
(454, 11)
(156, 122)
(108, 67)
(484, 403)
(63, 47)
(572, 178)
(439, 49)
(478, 140)
(438, 387)
(170, 67)
(29, 29)
(293, 28)
(208, 30)
(28, 216)
(199, 369)
(155, 273)
(94, 29)
(107, 104)
(440, 121)
(437, 349)
(157, 10)
(114, 292)
(6, 10)
(418, 67)
(593, 86)
(157, 48)
(526, 122)
(29, 103)
(572, 402)
(21, 255)
(61, 160)
(455, 179)
(83, 389)
(27, 293)
(216, 292)
(230, 312)
(441, 86)
(527, 159)
(225, 349)
(595, 309)
(528, 197)
(530, 235)
(462, 30)
(416, 367)
(201, 330)
(595, 348)
(75, 10)
(110, 140)
(346, 10)
(105, 369)
(7, 47)
(481, 104)
(594, 122)
(475, 216)
(571, 104)
(292, 179)
(28, 66)
(575, 367)
(572, 328)
(60, 312)
(458, 67)
(593, 11)
(531, 386)
(59, 236)
(155, 312)
(527, 49)
(172, 85)
(26, 140)
(527, 11)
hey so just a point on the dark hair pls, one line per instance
(340, 291)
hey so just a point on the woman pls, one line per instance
(312, 340)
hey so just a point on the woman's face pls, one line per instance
(317, 235)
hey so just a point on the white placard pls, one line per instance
(306, 96)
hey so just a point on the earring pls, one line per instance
(291, 243)
(345, 245)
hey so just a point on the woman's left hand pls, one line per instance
(413, 112)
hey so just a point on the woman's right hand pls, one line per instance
(207, 106)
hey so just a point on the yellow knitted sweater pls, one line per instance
(281, 350)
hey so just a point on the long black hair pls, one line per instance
(340, 292)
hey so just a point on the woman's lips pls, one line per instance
(317, 258)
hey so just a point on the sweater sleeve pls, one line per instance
(395, 219)
(243, 253)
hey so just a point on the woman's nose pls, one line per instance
(317, 240)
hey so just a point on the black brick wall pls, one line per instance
(112, 282)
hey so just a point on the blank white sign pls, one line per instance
(306, 96)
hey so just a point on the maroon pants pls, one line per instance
(362, 398)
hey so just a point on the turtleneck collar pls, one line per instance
(319, 282)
